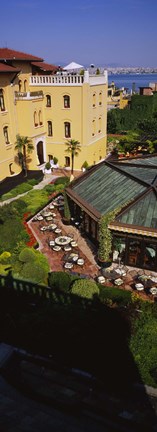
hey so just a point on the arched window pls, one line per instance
(2, 105)
(20, 86)
(40, 118)
(66, 101)
(49, 128)
(6, 136)
(48, 101)
(35, 119)
(67, 130)
(99, 125)
(67, 161)
(25, 85)
(100, 98)
(94, 99)
(93, 127)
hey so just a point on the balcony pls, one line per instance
(29, 95)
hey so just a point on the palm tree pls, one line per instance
(24, 146)
(73, 147)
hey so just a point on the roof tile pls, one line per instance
(9, 54)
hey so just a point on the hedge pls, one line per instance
(85, 288)
(117, 295)
(62, 180)
(59, 281)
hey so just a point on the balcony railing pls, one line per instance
(68, 79)
(57, 80)
(28, 95)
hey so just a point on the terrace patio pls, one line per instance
(79, 254)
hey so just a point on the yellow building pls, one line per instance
(50, 107)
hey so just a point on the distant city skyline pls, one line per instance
(105, 32)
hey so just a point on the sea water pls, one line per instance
(128, 80)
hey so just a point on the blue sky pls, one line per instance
(102, 32)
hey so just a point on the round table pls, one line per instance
(62, 240)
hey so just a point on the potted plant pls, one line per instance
(55, 160)
(67, 214)
(48, 168)
(84, 166)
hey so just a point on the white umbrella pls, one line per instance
(73, 66)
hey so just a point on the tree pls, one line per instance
(113, 121)
(73, 147)
(24, 146)
(147, 129)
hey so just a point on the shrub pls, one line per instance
(34, 272)
(143, 346)
(11, 233)
(85, 165)
(4, 257)
(27, 255)
(35, 200)
(59, 281)
(62, 180)
(85, 288)
(3, 269)
(34, 267)
(55, 160)
(59, 188)
(6, 196)
(22, 188)
(47, 166)
(50, 188)
(117, 295)
(18, 207)
(18, 190)
(33, 182)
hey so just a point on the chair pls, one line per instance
(67, 248)
(100, 279)
(73, 243)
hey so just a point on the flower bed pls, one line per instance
(32, 240)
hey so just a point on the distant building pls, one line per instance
(49, 106)
(117, 98)
(153, 85)
(146, 91)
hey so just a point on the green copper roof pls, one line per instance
(106, 188)
(142, 213)
(145, 161)
(142, 173)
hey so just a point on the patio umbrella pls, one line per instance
(73, 66)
